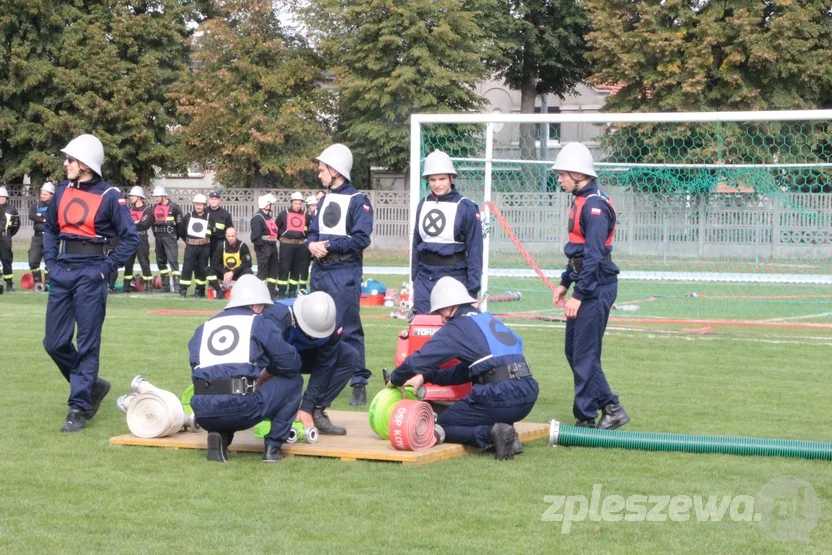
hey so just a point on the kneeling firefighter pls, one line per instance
(491, 358)
(309, 325)
(231, 392)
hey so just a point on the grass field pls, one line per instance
(76, 494)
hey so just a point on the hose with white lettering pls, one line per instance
(572, 436)
(411, 426)
(382, 407)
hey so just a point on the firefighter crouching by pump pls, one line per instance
(231, 260)
(292, 228)
(167, 216)
(196, 232)
(264, 238)
(9, 225)
(37, 215)
(142, 214)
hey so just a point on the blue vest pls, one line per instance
(501, 340)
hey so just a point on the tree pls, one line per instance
(98, 66)
(253, 109)
(392, 59)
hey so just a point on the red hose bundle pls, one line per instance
(411, 426)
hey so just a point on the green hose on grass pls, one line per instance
(572, 436)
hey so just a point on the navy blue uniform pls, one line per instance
(447, 241)
(595, 277)
(237, 343)
(345, 221)
(329, 361)
(482, 343)
(80, 221)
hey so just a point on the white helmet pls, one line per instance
(311, 200)
(264, 201)
(136, 192)
(159, 191)
(449, 292)
(4, 192)
(296, 196)
(247, 291)
(200, 198)
(49, 187)
(87, 149)
(437, 162)
(315, 314)
(575, 157)
(339, 158)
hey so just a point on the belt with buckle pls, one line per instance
(337, 257)
(236, 386)
(196, 242)
(576, 264)
(290, 241)
(438, 260)
(269, 238)
(83, 247)
(513, 371)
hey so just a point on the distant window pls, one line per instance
(554, 128)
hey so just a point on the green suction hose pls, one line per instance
(572, 436)
(186, 397)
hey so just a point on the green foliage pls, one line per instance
(392, 59)
(99, 66)
(252, 109)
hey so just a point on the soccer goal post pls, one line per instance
(723, 215)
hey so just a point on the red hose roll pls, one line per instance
(411, 426)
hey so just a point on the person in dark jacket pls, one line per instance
(491, 358)
(231, 260)
(264, 239)
(292, 228)
(37, 215)
(9, 226)
(167, 217)
(220, 220)
(142, 214)
(195, 230)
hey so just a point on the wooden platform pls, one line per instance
(359, 443)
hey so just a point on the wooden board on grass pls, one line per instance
(359, 443)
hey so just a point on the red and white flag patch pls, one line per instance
(340, 331)
(479, 217)
(595, 211)
(122, 201)
(366, 208)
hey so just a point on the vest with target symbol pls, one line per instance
(198, 226)
(437, 221)
(334, 213)
(77, 211)
(231, 259)
(226, 346)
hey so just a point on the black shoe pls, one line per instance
(613, 416)
(518, 447)
(217, 447)
(99, 391)
(359, 395)
(585, 424)
(325, 425)
(75, 420)
(502, 437)
(183, 293)
(9, 286)
(272, 454)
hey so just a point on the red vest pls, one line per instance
(77, 211)
(136, 214)
(160, 213)
(295, 221)
(576, 234)
(272, 225)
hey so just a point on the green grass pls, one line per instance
(76, 494)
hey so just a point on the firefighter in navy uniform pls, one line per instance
(220, 220)
(447, 240)
(9, 226)
(142, 215)
(309, 325)
(491, 358)
(167, 216)
(231, 260)
(37, 215)
(243, 373)
(264, 238)
(85, 212)
(338, 235)
(595, 276)
(292, 228)
(195, 230)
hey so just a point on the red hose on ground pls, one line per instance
(411, 426)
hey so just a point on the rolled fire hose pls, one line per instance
(296, 432)
(152, 412)
(572, 436)
(411, 426)
(382, 407)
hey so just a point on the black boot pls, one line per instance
(36, 274)
(281, 292)
(176, 283)
(325, 425)
(518, 446)
(183, 291)
(9, 286)
(218, 447)
(359, 395)
(199, 292)
(585, 424)
(166, 283)
(75, 420)
(613, 416)
(128, 286)
(148, 285)
(502, 436)
(272, 454)
(219, 294)
(99, 391)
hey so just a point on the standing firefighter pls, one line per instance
(243, 372)
(264, 237)
(196, 232)
(338, 235)
(220, 221)
(231, 260)
(595, 276)
(37, 215)
(85, 213)
(292, 228)
(9, 225)
(142, 215)
(447, 240)
(167, 216)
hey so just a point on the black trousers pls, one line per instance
(143, 254)
(167, 253)
(293, 268)
(267, 264)
(36, 251)
(6, 256)
(196, 260)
